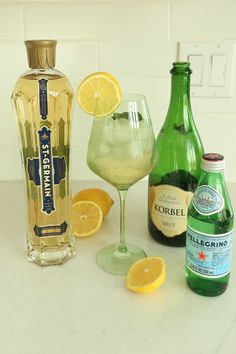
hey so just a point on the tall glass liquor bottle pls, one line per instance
(178, 150)
(209, 233)
(43, 101)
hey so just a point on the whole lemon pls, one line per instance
(96, 195)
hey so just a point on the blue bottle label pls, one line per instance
(59, 167)
(208, 255)
(43, 98)
(46, 161)
(46, 170)
(207, 200)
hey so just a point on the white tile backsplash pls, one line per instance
(216, 105)
(11, 22)
(13, 63)
(76, 59)
(100, 21)
(199, 20)
(216, 131)
(127, 58)
(11, 168)
(156, 90)
(134, 40)
(10, 136)
(80, 132)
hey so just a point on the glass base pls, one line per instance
(114, 259)
(46, 258)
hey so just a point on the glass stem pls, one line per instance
(122, 196)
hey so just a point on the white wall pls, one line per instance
(134, 40)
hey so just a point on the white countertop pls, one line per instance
(77, 308)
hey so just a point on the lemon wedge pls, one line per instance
(96, 195)
(146, 275)
(86, 218)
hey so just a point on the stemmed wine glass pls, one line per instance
(120, 151)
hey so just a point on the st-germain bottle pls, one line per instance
(43, 101)
(178, 150)
(209, 233)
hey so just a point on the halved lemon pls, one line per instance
(99, 94)
(146, 275)
(86, 218)
(98, 196)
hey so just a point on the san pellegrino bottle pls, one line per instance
(178, 150)
(209, 233)
(43, 101)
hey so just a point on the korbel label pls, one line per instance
(207, 200)
(168, 208)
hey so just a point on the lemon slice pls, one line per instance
(99, 94)
(86, 218)
(146, 275)
(96, 195)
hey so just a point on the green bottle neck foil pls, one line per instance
(179, 112)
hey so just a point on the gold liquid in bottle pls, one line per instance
(43, 101)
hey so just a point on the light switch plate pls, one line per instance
(213, 67)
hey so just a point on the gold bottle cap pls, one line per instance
(41, 53)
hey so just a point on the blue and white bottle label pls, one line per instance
(43, 98)
(208, 255)
(207, 200)
(59, 168)
(46, 161)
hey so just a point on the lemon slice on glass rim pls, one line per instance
(99, 94)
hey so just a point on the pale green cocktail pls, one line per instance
(121, 152)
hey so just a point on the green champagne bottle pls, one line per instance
(209, 233)
(178, 150)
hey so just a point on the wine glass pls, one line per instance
(120, 151)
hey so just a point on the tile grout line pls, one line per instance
(97, 56)
(23, 20)
(169, 19)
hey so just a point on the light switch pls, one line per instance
(217, 77)
(196, 62)
(213, 65)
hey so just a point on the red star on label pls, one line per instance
(202, 256)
